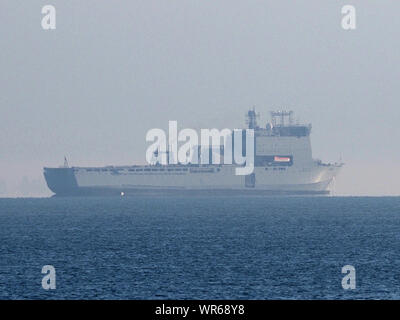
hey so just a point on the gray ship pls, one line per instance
(283, 164)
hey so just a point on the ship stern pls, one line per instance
(61, 181)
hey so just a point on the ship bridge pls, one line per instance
(281, 142)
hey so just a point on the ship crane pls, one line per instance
(65, 162)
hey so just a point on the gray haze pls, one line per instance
(112, 70)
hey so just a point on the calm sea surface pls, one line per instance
(200, 247)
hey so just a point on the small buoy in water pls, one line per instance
(122, 194)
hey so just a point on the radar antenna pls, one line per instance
(282, 115)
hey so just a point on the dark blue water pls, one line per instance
(200, 248)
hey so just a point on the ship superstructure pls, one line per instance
(283, 164)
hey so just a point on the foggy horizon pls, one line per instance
(92, 88)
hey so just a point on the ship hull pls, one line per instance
(64, 182)
(105, 192)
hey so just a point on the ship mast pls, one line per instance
(251, 118)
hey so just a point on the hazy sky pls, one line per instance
(112, 70)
